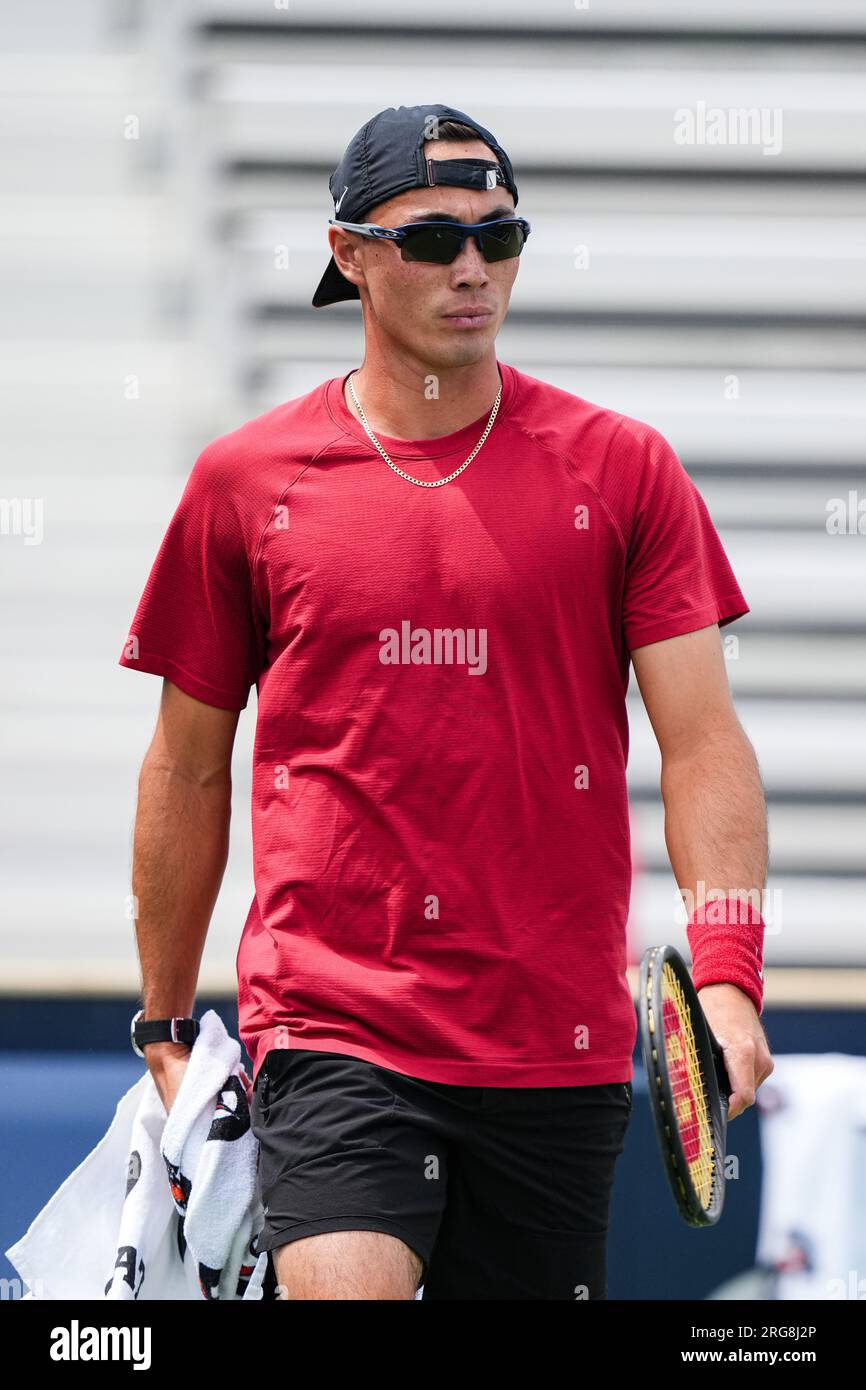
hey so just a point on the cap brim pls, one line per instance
(333, 287)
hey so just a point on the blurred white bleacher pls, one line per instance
(723, 298)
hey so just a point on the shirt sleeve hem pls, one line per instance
(725, 610)
(191, 685)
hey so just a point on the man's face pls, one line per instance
(416, 303)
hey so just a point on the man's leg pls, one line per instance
(526, 1214)
(347, 1265)
(348, 1214)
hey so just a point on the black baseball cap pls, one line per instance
(386, 157)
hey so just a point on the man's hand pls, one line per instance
(734, 1021)
(167, 1063)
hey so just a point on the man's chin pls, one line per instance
(462, 349)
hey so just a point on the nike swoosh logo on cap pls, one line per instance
(342, 196)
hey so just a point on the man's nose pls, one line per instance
(470, 264)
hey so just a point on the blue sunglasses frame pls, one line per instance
(404, 232)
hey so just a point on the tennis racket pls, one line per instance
(688, 1083)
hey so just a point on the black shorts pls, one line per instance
(503, 1192)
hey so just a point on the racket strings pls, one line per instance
(688, 1087)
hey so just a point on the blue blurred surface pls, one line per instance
(60, 1103)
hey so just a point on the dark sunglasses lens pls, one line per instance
(441, 244)
(437, 244)
(501, 243)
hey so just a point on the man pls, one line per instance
(436, 570)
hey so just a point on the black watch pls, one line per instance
(180, 1030)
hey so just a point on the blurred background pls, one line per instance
(694, 175)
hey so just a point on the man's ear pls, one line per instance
(346, 250)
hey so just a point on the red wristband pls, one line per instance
(726, 938)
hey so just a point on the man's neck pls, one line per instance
(405, 407)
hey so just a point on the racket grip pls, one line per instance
(722, 1078)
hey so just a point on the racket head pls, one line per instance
(688, 1085)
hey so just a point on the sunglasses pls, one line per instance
(441, 242)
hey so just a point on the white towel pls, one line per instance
(813, 1201)
(164, 1207)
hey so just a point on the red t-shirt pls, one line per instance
(440, 819)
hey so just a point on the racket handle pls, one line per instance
(722, 1078)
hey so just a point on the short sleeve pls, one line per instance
(678, 577)
(197, 622)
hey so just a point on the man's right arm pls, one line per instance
(180, 848)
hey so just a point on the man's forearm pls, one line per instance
(180, 850)
(716, 818)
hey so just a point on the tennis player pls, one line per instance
(436, 570)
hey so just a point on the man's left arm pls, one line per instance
(715, 820)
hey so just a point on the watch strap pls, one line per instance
(177, 1030)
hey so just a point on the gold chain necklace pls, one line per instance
(417, 481)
